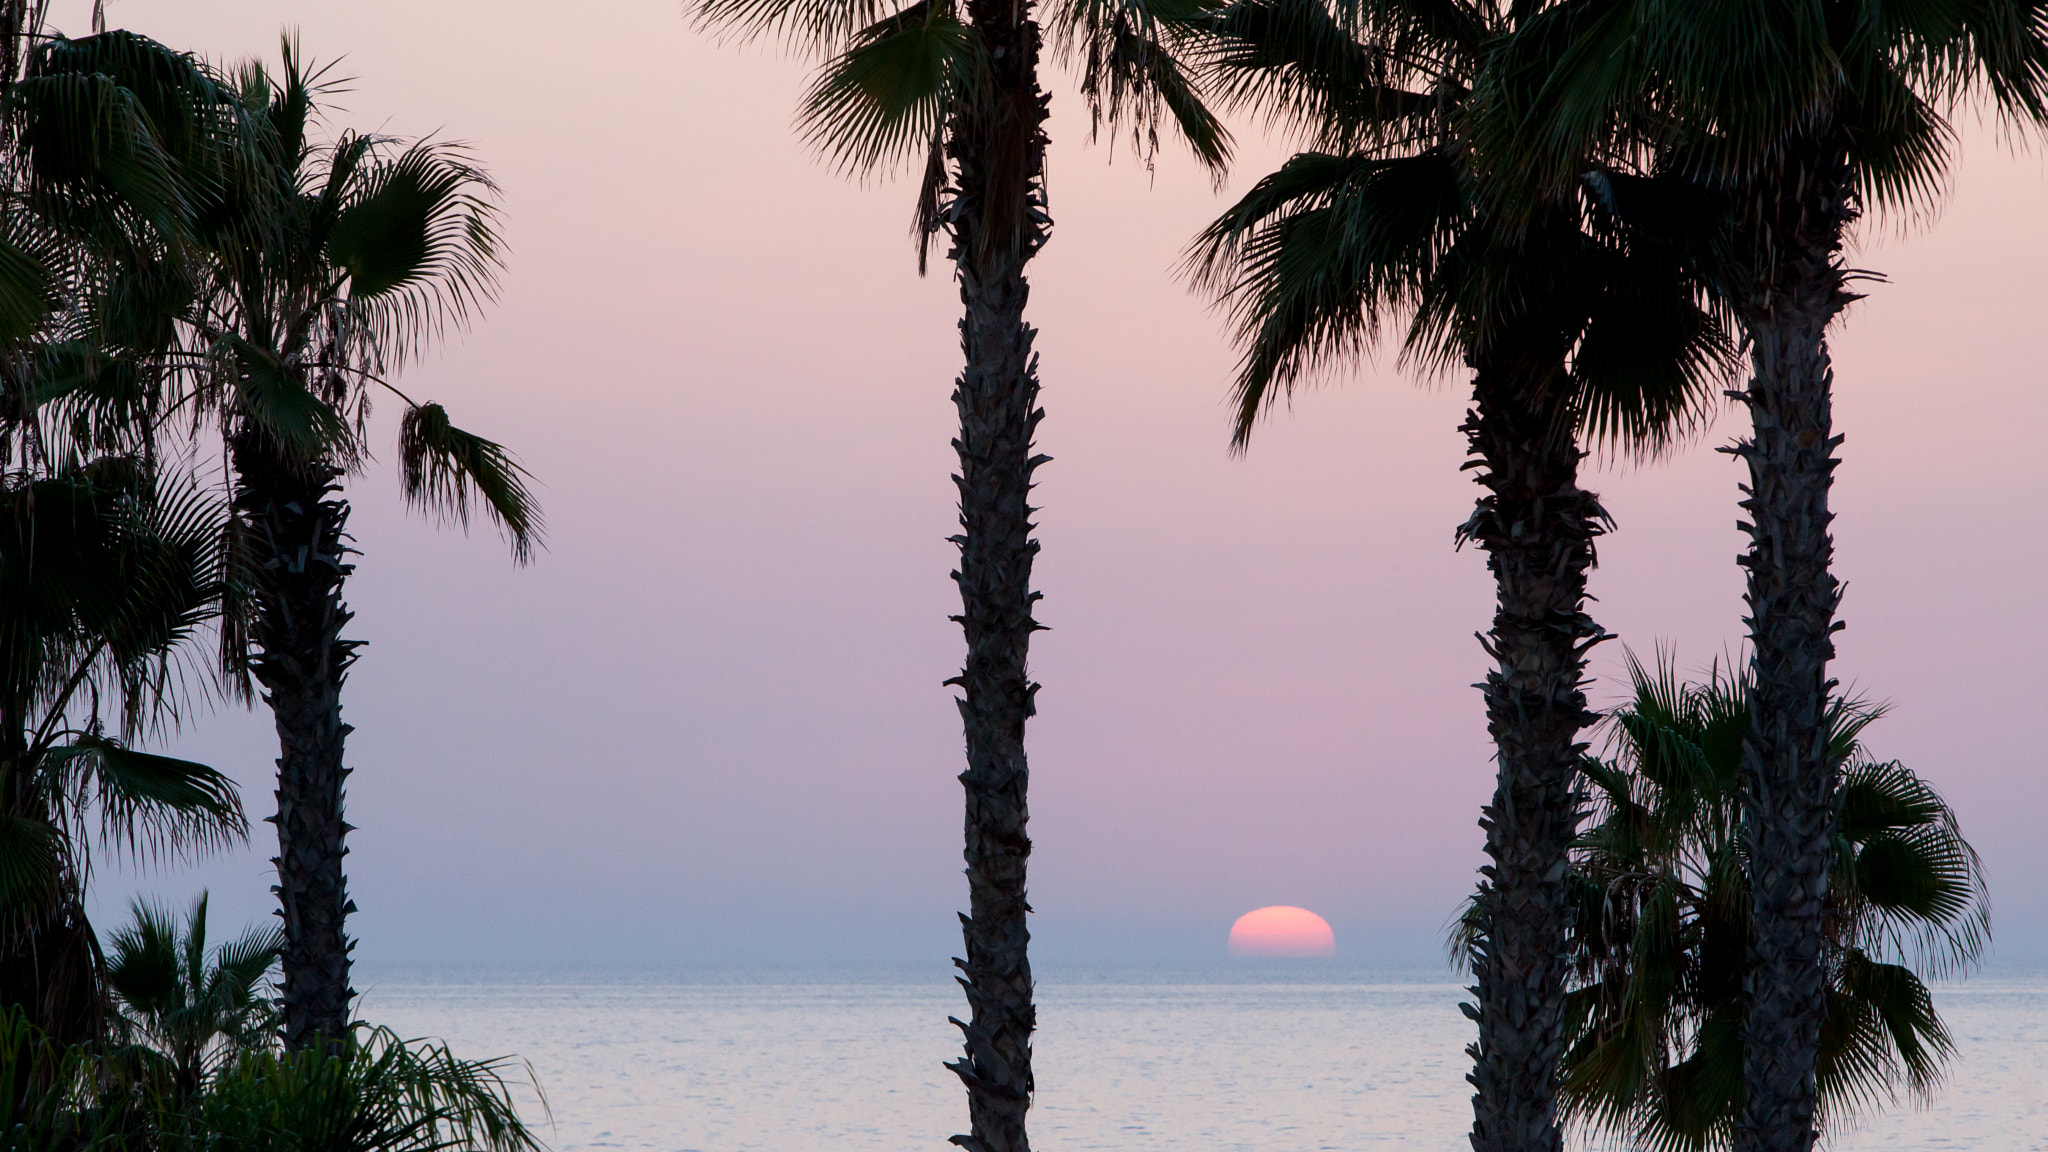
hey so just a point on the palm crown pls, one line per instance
(897, 80)
(325, 267)
(1653, 1049)
(104, 134)
(1724, 93)
(1389, 219)
(192, 1007)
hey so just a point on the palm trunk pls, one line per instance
(1537, 527)
(997, 220)
(295, 532)
(1789, 803)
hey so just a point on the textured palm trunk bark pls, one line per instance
(295, 529)
(1789, 803)
(996, 216)
(1537, 527)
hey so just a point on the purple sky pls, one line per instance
(708, 726)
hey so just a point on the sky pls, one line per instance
(706, 726)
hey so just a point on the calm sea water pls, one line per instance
(1273, 1061)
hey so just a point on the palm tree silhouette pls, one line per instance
(953, 84)
(322, 267)
(194, 1008)
(1653, 1043)
(1566, 326)
(109, 566)
(1759, 130)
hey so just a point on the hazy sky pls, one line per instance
(707, 725)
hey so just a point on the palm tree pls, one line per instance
(193, 1008)
(953, 85)
(322, 267)
(1566, 329)
(107, 564)
(1774, 123)
(106, 577)
(1654, 1032)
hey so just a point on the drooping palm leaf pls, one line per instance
(443, 468)
(1130, 55)
(149, 804)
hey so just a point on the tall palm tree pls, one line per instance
(953, 85)
(1654, 1034)
(1772, 125)
(322, 266)
(193, 1008)
(106, 576)
(1565, 328)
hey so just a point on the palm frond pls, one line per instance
(150, 805)
(1313, 259)
(25, 286)
(93, 148)
(824, 27)
(1133, 77)
(1315, 70)
(444, 469)
(1655, 355)
(878, 103)
(417, 236)
(145, 961)
(376, 1092)
(32, 865)
(279, 401)
(1917, 887)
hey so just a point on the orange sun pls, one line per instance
(1282, 930)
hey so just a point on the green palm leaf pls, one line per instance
(444, 468)
(1654, 1038)
(416, 235)
(881, 101)
(150, 804)
(1133, 76)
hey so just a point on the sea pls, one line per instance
(1237, 1059)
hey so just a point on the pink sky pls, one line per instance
(708, 724)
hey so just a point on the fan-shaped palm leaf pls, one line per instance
(1653, 1044)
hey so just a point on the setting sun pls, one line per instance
(1282, 930)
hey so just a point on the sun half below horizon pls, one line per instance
(1282, 930)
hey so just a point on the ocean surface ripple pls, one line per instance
(1251, 1059)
